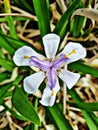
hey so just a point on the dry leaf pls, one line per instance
(89, 13)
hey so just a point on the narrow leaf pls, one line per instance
(8, 65)
(4, 76)
(42, 14)
(5, 45)
(85, 69)
(77, 23)
(61, 27)
(10, 19)
(90, 106)
(3, 91)
(59, 119)
(90, 120)
(25, 4)
(9, 41)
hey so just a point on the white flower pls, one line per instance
(51, 66)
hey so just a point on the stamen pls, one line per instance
(71, 53)
(52, 93)
(26, 57)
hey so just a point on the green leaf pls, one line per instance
(4, 76)
(18, 116)
(59, 119)
(30, 127)
(77, 23)
(24, 107)
(10, 19)
(90, 106)
(3, 91)
(5, 45)
(25, 4)
(42, 14)
(18, 79)
(7, 64)
(89, 117)
(61, 27)
(2, 54)
(9, 41)
(85, 69)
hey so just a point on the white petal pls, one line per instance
(51, 43)
(69, 78)
(80, 51)
(47, 98)
(24, 51)
(31, 83)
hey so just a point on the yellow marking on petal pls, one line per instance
(52, 93)
(71, 53)
(26, 57)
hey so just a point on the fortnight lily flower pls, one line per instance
(51, 67)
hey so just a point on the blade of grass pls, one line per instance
(42, 14)
(3, 91)
(8, 65)
(18, 79)
(4, 76)
(78, 23)
(2, 55)
(10, 19)
(61, 27)
(90, 106)
(25, 4)
(5, 45)
(85, 69)
(9, 41)
(58, 118)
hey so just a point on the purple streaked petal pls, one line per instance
(80, 51)
(59, 62)
(32, 82)
(51, 43)
(51, 75)
(47, 98)
(19, 59)
(42, 64)
(69, 78)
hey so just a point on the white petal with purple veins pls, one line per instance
(24, 51)
(49, 96)
(32, 83)
(69, 78)
(51, 43)
(80, 51)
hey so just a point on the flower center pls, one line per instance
(50, 67)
